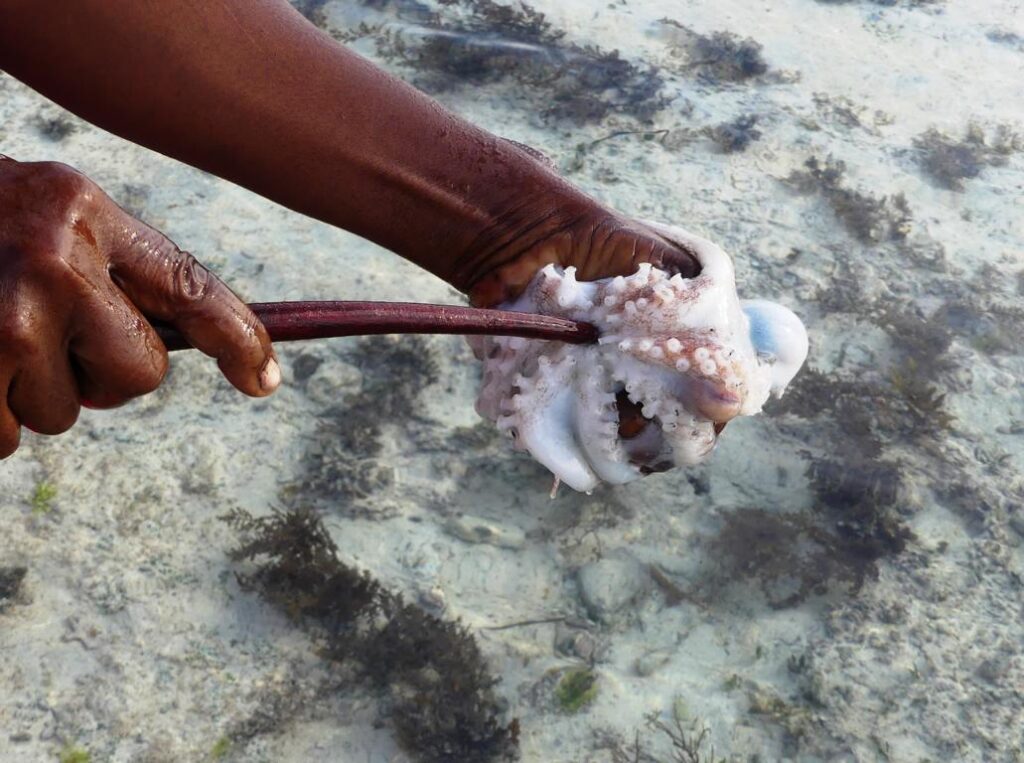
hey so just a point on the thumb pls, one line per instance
(170, 285)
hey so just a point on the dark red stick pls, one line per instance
(290, 321)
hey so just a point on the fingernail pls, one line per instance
(270, 375)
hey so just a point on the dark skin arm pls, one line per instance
(250, 91)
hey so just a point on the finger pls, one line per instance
(44, 395)
(171, 285)
(672, 258)
(510, 280)
(10, 427)
(671, 250)
(117, 354)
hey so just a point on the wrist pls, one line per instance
(598, 243)
(464, 206)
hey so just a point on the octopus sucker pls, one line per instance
(676, 360)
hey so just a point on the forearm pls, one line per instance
(248, 90)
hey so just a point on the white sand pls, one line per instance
(136, 644)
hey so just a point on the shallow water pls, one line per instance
(843, 581)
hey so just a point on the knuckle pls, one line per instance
(252, 331)
(55, 419)
(151, 376)
(66, 181)
(18, 335)
(10, 438)
(65, 191)
(146, 378)
(192, 281)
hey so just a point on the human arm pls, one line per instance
(250, 91)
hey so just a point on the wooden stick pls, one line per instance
(292, 321)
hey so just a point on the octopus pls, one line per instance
(677, 358)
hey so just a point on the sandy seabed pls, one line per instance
(842, 582)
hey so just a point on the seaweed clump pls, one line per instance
(717, 57)
(735, 136)
(1005, 37)
(492, 43)
(887, 3)
(55, 128)
(868, 218)
(857, 484)
(991, 326)
(576, 689)
(343, 461)
(686, 743)
(949, 162)
(439, 688)
(793, 556)
(11, 580)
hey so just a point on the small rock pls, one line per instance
(609, 585)
(477, 530)
(203, 466)
(1017, 523)
(433, 600)
(993, 670)
(576, 642)
(649, 662)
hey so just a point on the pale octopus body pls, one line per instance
(687, 351)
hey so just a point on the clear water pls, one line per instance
(841, 582)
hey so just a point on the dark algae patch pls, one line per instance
(55, 128)
(949, 162)
(734, 137)
(1006, 37)
(343, 461)
(868, 218)
(794, 556)
(856, 425)
(576, 689)
(886, 3)
(437, 686)
(716, 58)
(11, 582)
(488, 42)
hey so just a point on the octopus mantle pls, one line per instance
(677, 358)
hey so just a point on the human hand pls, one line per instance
(569, 230)
(599, 245)
(80, 279)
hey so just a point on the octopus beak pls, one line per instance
(641, 437)
(632, 421)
